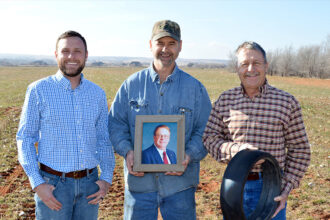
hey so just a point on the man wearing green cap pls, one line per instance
(161, 89)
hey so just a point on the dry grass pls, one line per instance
(310, 201)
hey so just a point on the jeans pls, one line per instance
(71, 193)
(144, 206)
(251, 195)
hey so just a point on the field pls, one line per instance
(310, 201)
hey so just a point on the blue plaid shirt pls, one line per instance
(142, 94)
(70, 127)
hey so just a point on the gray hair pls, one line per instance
(251, 45)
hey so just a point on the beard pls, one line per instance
(166, 62)
(71, 74)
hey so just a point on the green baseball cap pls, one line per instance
(166, 28)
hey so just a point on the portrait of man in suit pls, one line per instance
(158, 153)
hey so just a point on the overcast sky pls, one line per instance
(210, 29)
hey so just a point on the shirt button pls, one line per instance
(161, 94)
(159, 111)
(80, 151)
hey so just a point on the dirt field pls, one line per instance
(310, 201)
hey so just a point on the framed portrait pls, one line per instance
(159, 143)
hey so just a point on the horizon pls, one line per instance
(210, 29)
(7, 55)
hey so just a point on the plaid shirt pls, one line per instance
(70, 126)
(271, 121)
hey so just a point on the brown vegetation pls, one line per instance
(310, 201)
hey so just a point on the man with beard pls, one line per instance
(161, 89)
(258, 116)
(67, 116)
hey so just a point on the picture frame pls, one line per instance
(145, 148)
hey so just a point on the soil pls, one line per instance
(114, 200)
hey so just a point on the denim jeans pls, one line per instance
(251, 195)
(71, 193)
(144, 206)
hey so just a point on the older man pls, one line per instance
(259, 116)
(67, 115)
(161, 89)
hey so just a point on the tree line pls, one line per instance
(311, 61)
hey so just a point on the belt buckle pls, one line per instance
(75, 174)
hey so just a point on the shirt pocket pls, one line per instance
(91, 112)
(238, 125)
(138, 107)
(269, 130)
(188, 115)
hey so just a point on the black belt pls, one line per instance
(76, 174)
(253, 176)
(234, 178)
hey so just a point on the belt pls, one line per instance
(76, 174)
(253, 176)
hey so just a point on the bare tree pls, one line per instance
(232, 64)
(286, 62)
(308, 60)
(273, 61)
(325, 62)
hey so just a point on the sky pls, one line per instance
(210, 29)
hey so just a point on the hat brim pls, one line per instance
(165, 34)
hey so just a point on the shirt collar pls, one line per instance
(159, 150)
(174, 75)
(65, 83)
(262, 89)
